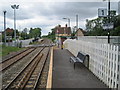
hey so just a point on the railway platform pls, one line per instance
(65, 76)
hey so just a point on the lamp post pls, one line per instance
(5, 26)
(68, 21)
(108, 20)
(15, 7)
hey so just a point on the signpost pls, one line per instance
(108, 26)
(102, 12)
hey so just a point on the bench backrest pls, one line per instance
(82, 56)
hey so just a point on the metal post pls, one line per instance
(15, 7)
(77, 21)
(15, 25)
(69, 22)
(4, 26)
(108, 36)
(109, 20)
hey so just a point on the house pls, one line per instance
(62, 33)
(9, 34)
(80, 32)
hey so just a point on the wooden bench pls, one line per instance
(81, 58)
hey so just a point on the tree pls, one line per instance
(51, 35)
(94, 27)
(34, 33)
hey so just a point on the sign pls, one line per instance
(119, 7)
(9, 37)
(102, 12)
(108, 26)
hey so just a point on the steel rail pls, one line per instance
(26, 77)
(40, 73)
(12, 62)
(7, 87)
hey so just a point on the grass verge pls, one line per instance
(8, 49)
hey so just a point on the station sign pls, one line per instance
(102, 12)
(108, 26)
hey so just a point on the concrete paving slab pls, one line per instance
(65, 76)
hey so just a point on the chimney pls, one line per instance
(65, 25)
(59, 25)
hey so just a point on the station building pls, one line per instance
(62, 33)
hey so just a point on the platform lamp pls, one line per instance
(15, 7)
(4, 26)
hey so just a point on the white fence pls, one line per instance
(100, 39)
(104, 59)
(23, 42)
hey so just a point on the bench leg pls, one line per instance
(74, 65)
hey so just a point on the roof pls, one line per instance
(63, 30)
(9, 30)
(81, 30)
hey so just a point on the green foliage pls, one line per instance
(24, 36)
(34, 33)
(94, 26)
(115, 32)
(51, 35)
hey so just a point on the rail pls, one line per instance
(9, 62)
(32, 70)
(21, 72)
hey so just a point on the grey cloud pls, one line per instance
(54, 11)
(62, 9)
(21, 13)
(68, 9)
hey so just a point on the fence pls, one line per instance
(104, 59)
(100, 39)
(21, 43)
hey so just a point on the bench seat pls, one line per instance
(75, 59)
(81, 58)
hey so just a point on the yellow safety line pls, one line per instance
(49, 80)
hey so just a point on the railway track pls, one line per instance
(30, 75)
(12, 60)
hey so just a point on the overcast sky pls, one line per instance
(48, 14)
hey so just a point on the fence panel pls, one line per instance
(104, 59)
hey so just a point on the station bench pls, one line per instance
(81, 58)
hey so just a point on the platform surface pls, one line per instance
(65, 76)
